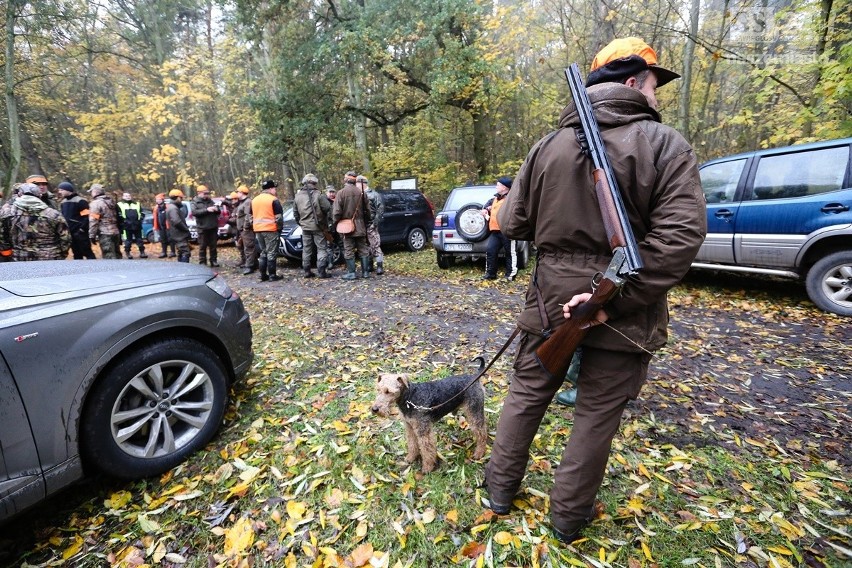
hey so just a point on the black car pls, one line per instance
(408, 217)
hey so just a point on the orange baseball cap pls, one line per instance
(36, 179)
(624, 57)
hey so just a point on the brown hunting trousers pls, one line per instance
(608, 379)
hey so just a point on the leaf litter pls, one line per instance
(736, 453)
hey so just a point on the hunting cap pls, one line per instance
(96, 189)
(234, 195)
(268, 184)
(37, 178)
(160, 196)
(310, 178)
(66, 186)
(505, 180)
(202, 189)
(625, 57)
(176, 193)
(361, 179)
(29, 189)
(243, 189)
(349, 177)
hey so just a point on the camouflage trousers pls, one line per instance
(110, 246)
(375, 242)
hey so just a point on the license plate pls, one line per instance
(459, 247)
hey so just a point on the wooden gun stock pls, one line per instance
(554, 355)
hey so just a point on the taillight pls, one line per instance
(442, 220)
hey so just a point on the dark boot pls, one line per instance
(273, 274)
(350, 269)
(213, 262)
(248, 270)
(308, 273)
(322, 272)
(372, 267)
(127, 254)
(183, 257)
(263, 275)
(365, 267)
(142, 252)
(202, 261)
(380, 267)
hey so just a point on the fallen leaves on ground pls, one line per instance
(737, 452)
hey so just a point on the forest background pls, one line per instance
(148, 95)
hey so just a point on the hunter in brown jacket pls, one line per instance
(553, 203)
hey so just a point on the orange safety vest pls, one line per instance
(262, 213)
(495, 207)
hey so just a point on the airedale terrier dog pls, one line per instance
(423, 404)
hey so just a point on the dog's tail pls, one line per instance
(481, 360)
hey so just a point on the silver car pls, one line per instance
(112, 366)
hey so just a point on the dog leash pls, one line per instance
(473, 380)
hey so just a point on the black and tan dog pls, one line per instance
(423, 404)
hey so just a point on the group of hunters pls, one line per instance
(35, 226)
(552, 203)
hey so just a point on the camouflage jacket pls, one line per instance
(103, 217)
(34, 231)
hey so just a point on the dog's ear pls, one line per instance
(403, 380)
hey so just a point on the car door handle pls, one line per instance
(409, 214)
(835, 208)
(724, 213)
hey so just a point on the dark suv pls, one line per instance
(408, 217)
(460, 229)
(784, 212)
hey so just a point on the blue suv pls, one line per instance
(784, 212)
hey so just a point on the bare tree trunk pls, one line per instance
(360, 120)
(686, 80)
(11, 102)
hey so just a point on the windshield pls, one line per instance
(288, 214)
(461, 196)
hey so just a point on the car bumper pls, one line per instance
(447, 241)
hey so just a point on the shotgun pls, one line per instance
(554, 355)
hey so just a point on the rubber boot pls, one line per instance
(213, 262)
(142, 252)
(372, 267)
(380, 265)
(365, 267)
(127, 254)
(273, 272)
(248, 270)
(308, 272)
(350, 269)
(263, 275)
(322, 272)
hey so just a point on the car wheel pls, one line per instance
(152, 237)
(829, 283)
(335, 253)
(445, 260)
(470, 223)
(416, 239)
(154, 408)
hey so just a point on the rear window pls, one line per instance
(461, 196)
(801, 174)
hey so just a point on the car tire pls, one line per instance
(135, 425)
(335, 252)
(152, 237)
(445, 261)
(415, 240)
(829, 283)
(470, 224)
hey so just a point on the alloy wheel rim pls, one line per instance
(162, 409)
(837, 285)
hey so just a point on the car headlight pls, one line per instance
(218, 285)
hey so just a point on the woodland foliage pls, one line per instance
(147, 95)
